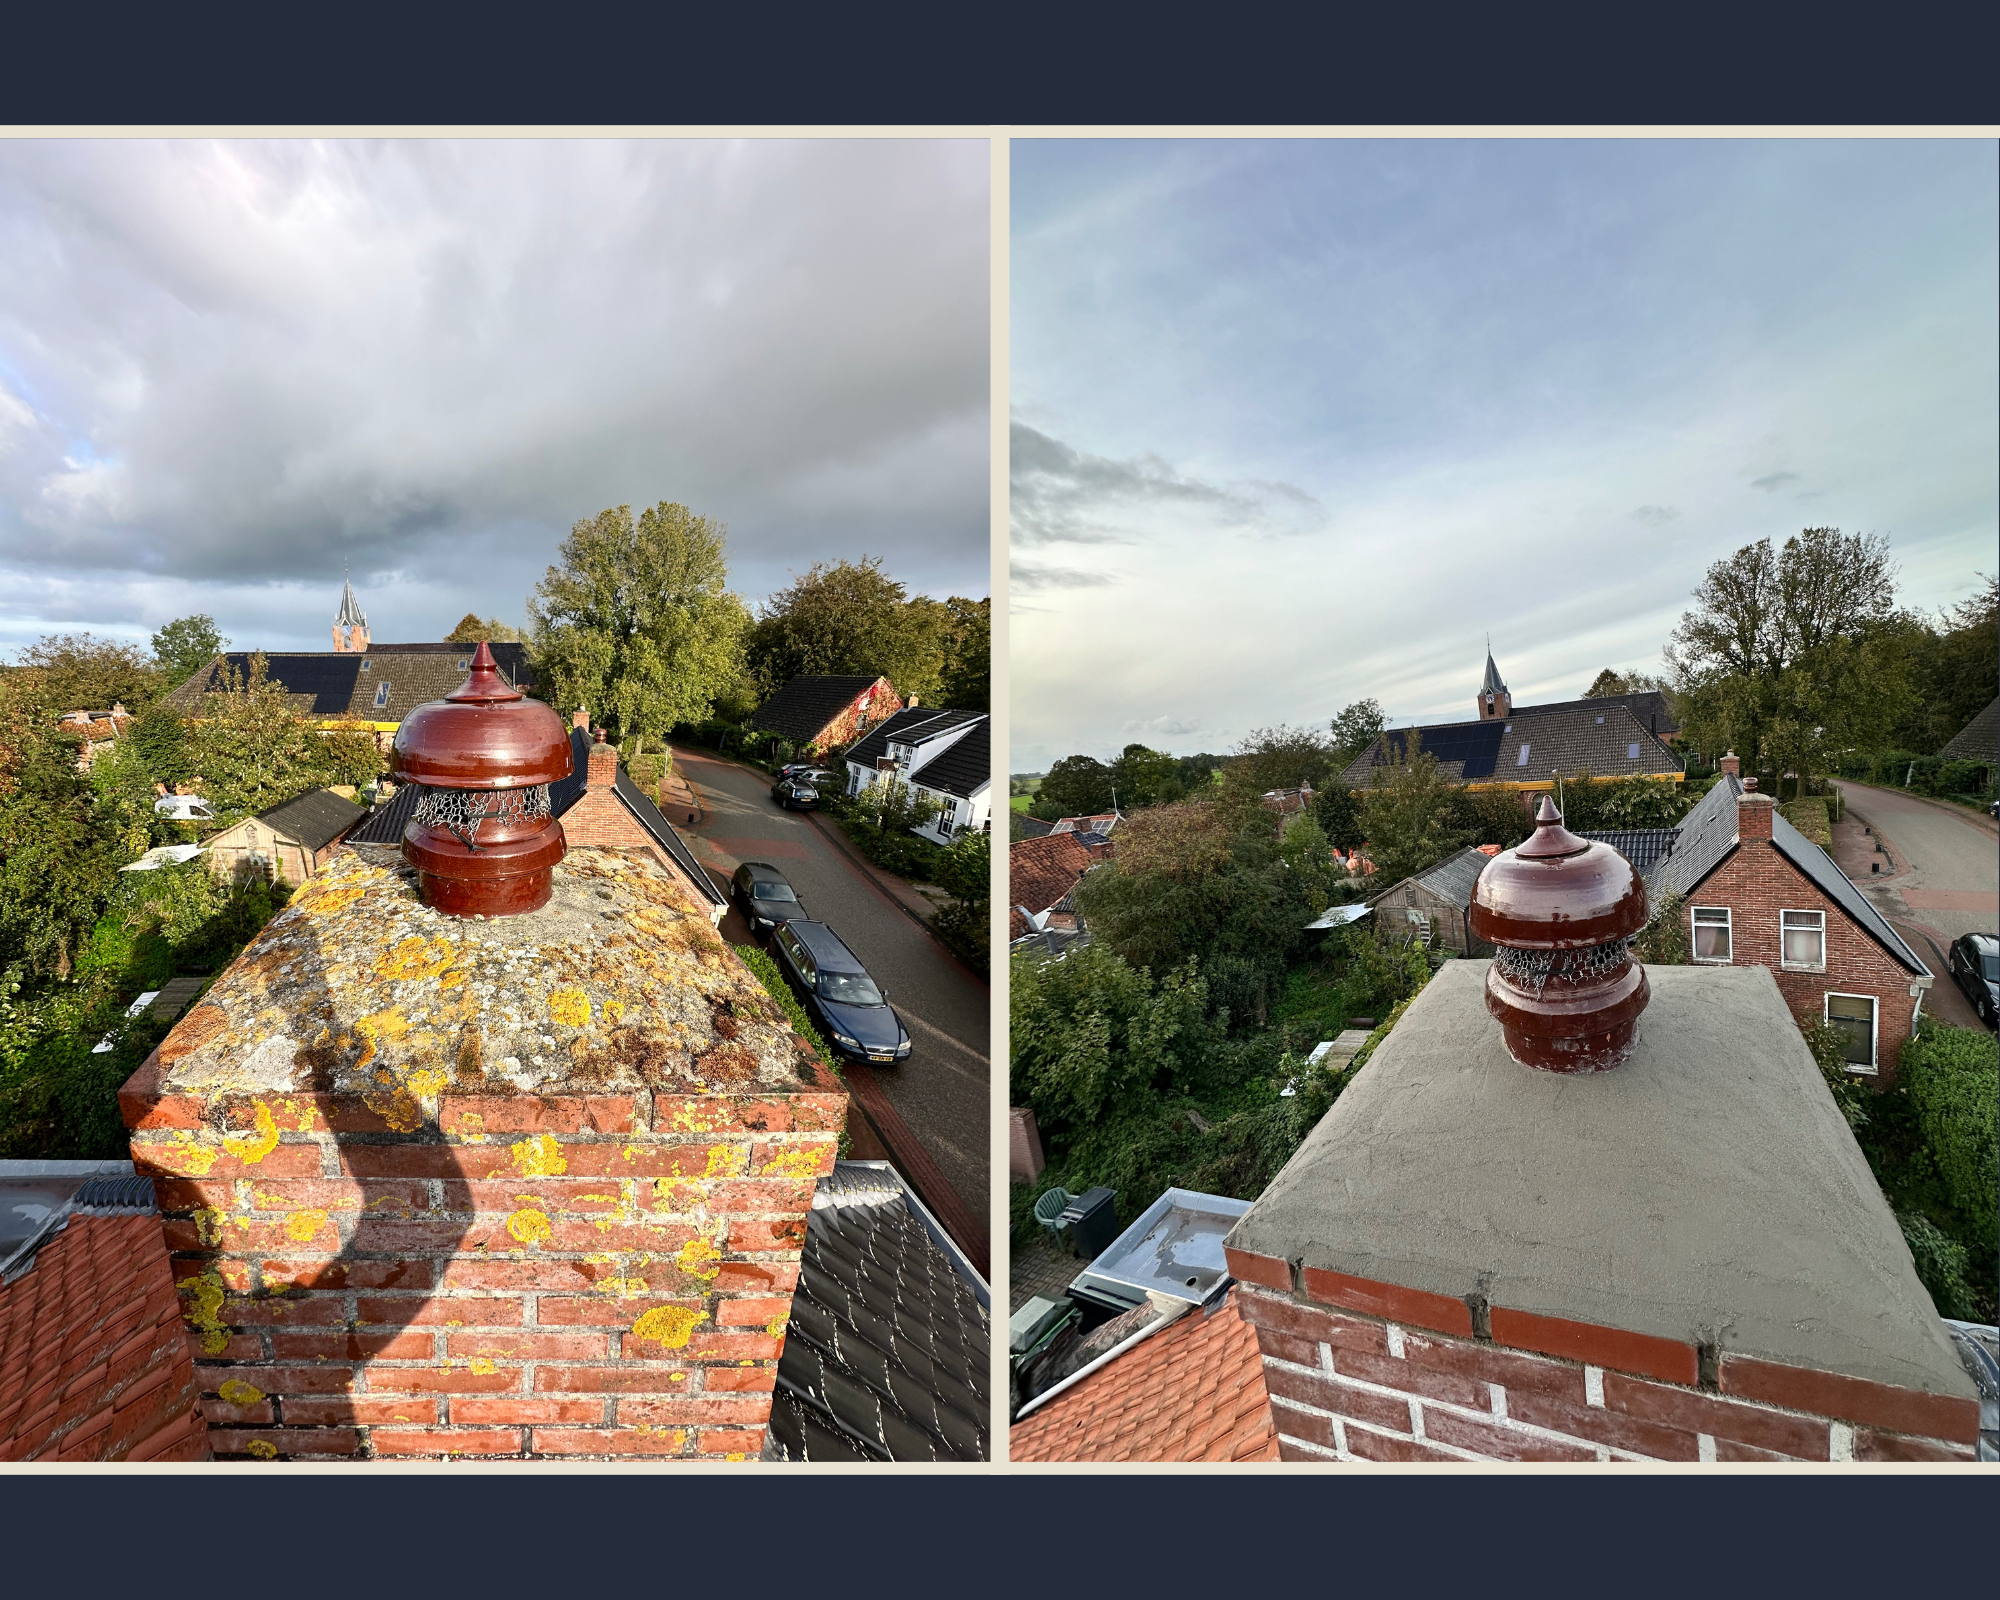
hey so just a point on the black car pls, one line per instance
(764, 895)
(838, 993)
(795, 794)
(1975, 968)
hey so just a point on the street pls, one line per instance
(942, 1091)
(1946, 880)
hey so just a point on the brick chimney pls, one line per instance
(528, 1185)
(1683, 1260)
(1731, 765)
(603, 764)
(580, 718)
(1753, 813)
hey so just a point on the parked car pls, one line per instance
(838, 993)
(1975, 968)
(798, 788)
(804, 769)
(764, 895)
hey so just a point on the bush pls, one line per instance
(1890, 768)
(1812, 818)
(1963, 777)
(1952, 1078)
(774, 984)
(1941, 1263)
(1663, 942)
(1829, 1050)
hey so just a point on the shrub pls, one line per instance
(1941, 1263)
(1962, 777)
(1812, 818)
(1952, 1078)
(1829, 1050)
(1663, 942)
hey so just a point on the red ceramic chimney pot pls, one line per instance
(1560, 912)
(483, 840)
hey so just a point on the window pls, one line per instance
(381, 694)
(1854, 1016)
(463, 663)
(1711, 933)
(1631, 752)
(364, 663)
(1521, 760)
(1804, 940)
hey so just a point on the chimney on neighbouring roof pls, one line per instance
(483, 839)
(1753, 813)
(911, 704)
(603, 770)
(580, 718)
(1731, 765)
(1560, 912)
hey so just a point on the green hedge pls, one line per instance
(774, 982)
(1952, 1078)
(1812, 818)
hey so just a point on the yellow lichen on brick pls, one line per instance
(623, 1288)
(794, 1163)
(530, 1227)
(395, 1105)
(668, 1326)
(414, 958)
(203, 1310)
(482, 1367)
(324, 902)
(570, 1007)
(696, 1256)
(775, 1327)
(538, 1156)
(426, 1083)
(300, 1226)
(726, 1161)
(263, 1449)
(257, 1144)
(208, 1223)
(239, 1393)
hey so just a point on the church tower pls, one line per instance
(1494, 701)
(350, 627)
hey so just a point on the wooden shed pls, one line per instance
(1434, 907)
(292, 841)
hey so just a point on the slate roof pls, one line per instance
(888, 1348)
(1194, 1391)
(1041, 872)
(964, 767)
(1601, 737)
(803, 707)
(1033, 827)
(904, 727)
(95, 1363)
(315, 818)
(387, 821)
(1708, 837)
(1645, 848)
(331, 683)
(1652, 709)
(1979, 739)
(349, 614)
(1454, 877)
(1491, 684)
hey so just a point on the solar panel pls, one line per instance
(1475, 744)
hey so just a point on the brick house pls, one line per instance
(1041, 875)
(827, 712)
(292, 841)
(1759, 893)
(99, 731)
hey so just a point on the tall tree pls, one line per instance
(1143, 777)
(1076, 786)
(968, 667)
(81, 672)
(1354, 729)
(850, 617)
(637, 622)
(253, 747)
(1605, 683)
(186, 645)
(1407, 814)
(1279, 758)
(473, 629)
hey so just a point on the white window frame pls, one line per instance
(1729, 931)
(1802, 966)
(1874, 1066)
(382, 694)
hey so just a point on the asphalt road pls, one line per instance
(1948, 883)
(943, 1089)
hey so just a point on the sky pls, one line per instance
(1297, 423)
(230, 368)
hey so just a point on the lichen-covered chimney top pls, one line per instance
(1560, 912)
(483, 839)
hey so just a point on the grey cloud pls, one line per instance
(1061, 495)
(1159, 727)
(240, 362)
(1045, 579)
(1773, 481)
(1656, 514)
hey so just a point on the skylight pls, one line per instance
(1521, 760)
(382, 694)
(1631, 752)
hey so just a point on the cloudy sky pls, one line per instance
(1301, 422)
(226, 368)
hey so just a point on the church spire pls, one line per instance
(1494, 700)
(350, 624)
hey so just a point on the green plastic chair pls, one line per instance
(1048, 1212)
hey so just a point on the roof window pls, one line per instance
(364, 663)
(381, 694)
(1521, 760)
(1632, 752)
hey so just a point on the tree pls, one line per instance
(847, 617)
(253, 748)
(81, 672)
(1338, 816)
(472, 629)
(637, 622)
(1143, 777)
(1606, 683)
(1076, 786)
(1279, 758)
(968, 666)
(186, 645)
(1407, 813)
(1354, 729)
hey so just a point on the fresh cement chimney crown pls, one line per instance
(1560, 912)
(483, 840)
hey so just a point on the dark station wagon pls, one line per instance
(838, 993)
(1975, 968)
(765, 896)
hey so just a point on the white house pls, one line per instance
(944, 756)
